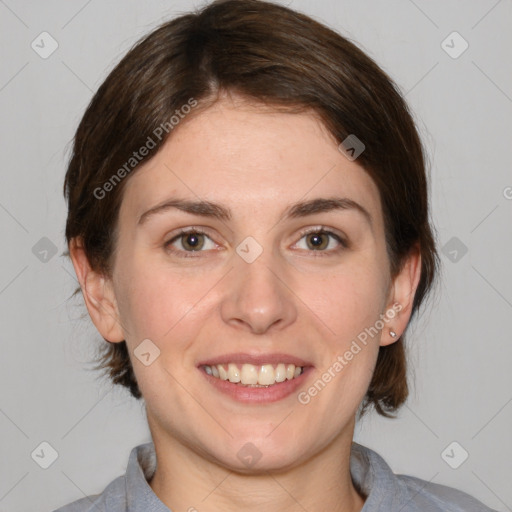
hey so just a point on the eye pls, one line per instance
(191, 240)
(318, 240)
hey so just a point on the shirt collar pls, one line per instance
(141, 467)
(369, 472)
(373, 476)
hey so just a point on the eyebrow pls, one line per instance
(300, 209)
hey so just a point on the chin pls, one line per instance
(259, 454)
(262, 464)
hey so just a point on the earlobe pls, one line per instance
(401, 299)
(98, 294)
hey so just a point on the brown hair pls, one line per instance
(278, 57)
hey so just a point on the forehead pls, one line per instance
(249, 157)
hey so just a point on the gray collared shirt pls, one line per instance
(384, 491)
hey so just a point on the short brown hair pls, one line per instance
(278, 57)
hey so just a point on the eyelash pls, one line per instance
(318, 230)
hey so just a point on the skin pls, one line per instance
(293, 298)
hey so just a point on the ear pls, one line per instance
(401, 297)
(98, 294)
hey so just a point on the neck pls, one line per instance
(185, 480)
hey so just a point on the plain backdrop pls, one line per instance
(460, 349)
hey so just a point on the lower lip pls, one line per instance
(247, 394)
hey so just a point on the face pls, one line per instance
(267, 282)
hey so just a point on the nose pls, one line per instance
(257, 297)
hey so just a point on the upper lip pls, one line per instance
(255, 359)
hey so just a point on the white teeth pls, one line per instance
(223, 374)
(233, 373)
(280, 373)
(251, 375)
(266, 376)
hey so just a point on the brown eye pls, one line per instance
(320, 240)
(192, 241)
(317, 241)
(189, 241)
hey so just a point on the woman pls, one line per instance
(249, 223)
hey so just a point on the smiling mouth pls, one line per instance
(249, 375)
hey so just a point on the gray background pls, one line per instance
(460, 348)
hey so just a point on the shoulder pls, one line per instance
(428, 496)
(112, 499)
(387, 491)
(127, 492)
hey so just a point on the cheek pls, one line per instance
(352, 303)
(350, 300)
(156, 302)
